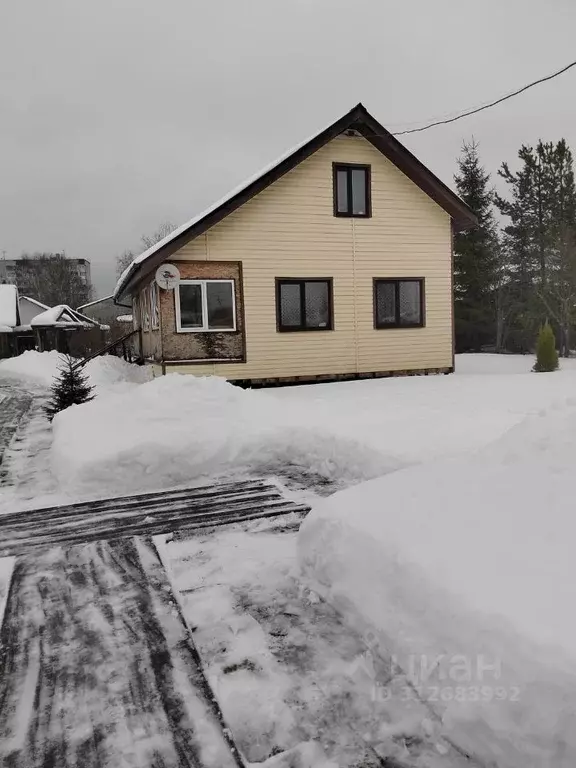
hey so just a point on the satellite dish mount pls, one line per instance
(167, 276)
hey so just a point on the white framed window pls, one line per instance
(154, 309)
(205, 305)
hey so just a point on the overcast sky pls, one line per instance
(118, 114)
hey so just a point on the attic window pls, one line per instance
(351, 190)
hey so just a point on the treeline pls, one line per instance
(511, 278)
(51, 278)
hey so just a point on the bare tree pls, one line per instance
(52, 279)
(128, 256)
(124, 260)
(165, 228)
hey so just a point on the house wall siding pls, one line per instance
(289, 230)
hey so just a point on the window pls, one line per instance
(154, 310)
(304, 305)
(399, 303)
(352, 190)
(205, 305)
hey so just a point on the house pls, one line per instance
(334, 262)
(59, 328)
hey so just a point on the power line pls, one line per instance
(491, 104)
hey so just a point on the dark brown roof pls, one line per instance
(358, 119)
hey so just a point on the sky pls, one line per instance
(116, 115)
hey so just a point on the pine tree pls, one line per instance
(536, 243)
(475, 257)
(70, 387)
(546, 354)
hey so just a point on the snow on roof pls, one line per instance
(62, 316)
(96, 301)
(34, 301)
(132, 267)
(9, 314)
(124, 318)
(123, 279)
(6, 329)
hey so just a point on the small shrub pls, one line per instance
(546, 354)
(70, 388)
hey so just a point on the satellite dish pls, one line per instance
(167, 276)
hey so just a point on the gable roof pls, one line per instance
(62, 316)
(358, 119)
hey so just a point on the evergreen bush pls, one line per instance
(546, 354)
(70, 387)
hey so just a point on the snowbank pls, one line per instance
(177, 428)
(465, 570)
(36, 367)
(8, 306)
(41, 367)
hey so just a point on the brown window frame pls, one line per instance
(301, 281)
(396, 282)
(349, 167)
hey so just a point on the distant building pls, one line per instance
(9, 270)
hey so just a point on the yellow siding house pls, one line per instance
(335, 262)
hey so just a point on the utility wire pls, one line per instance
(488, 106)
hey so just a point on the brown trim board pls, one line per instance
(358, 119)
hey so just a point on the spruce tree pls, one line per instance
(546, 354)
(538, 241)
(70, 387)
(475, 257)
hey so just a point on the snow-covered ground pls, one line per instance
(288, 673)
(178, 428)
(461, 545)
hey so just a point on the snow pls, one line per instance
(39, 368)
(460, 544)
(96, 301)
(6, 566)
(124, 318)
(61, 316)
(8, 307)
(470, 560)
(178, 428)
(285, 671)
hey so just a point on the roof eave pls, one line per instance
(358, 118)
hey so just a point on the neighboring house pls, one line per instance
(335, 262)
(67, 331)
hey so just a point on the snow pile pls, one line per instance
(465, 570)
(177, 428)
(106, 372)
(8, 307)
(35, 367)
